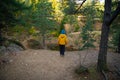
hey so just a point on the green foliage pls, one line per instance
(17, 29)
(87, 39)
(115, 33)
(70, 19)
(34, 44)
(81, 70)
(89, 10)
(57, 10)
(114, 4)
(17, 32)
(115, 29)
(62, 24)
(69, 8)
(115, 39)
(89, 73)
(53, 46)
(93, 9)
(42, 17)
(86, 35)
(32, 31)
(9, 10)
(76, 28)
(93, 73)
(6, 42)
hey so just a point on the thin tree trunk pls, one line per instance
(43, 40)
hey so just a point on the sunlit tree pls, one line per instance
(42, 18)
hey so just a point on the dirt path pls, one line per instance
(48, 65)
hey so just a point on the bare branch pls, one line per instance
(105, 75)
(80, 6)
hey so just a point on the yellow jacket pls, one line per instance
(62, 39)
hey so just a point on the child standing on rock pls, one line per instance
(62, 41)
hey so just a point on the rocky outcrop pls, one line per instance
(11, 48)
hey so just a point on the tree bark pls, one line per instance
(1, 40)
(43, 40)
(118, 50)
(102, 57)
(107, 21)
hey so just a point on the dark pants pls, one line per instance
(62, 49)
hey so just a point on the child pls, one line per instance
(62, 41)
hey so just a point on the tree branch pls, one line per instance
(104, 75)
(115, 14)
(79, 6)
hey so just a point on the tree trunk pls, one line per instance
(108, 19)
(102, 57)
(119, 44)
(43, 40)
(1, 40)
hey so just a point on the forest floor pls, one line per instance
(49, 65)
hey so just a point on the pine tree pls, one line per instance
(8, 14)
(42, 18)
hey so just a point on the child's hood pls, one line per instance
(62, 35)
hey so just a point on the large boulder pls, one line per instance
(11, 48)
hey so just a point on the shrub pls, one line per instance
(53, 46)
(34, 44)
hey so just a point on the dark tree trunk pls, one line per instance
(102, 58)
(108, 19)
(119, 45)
(1, 37)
